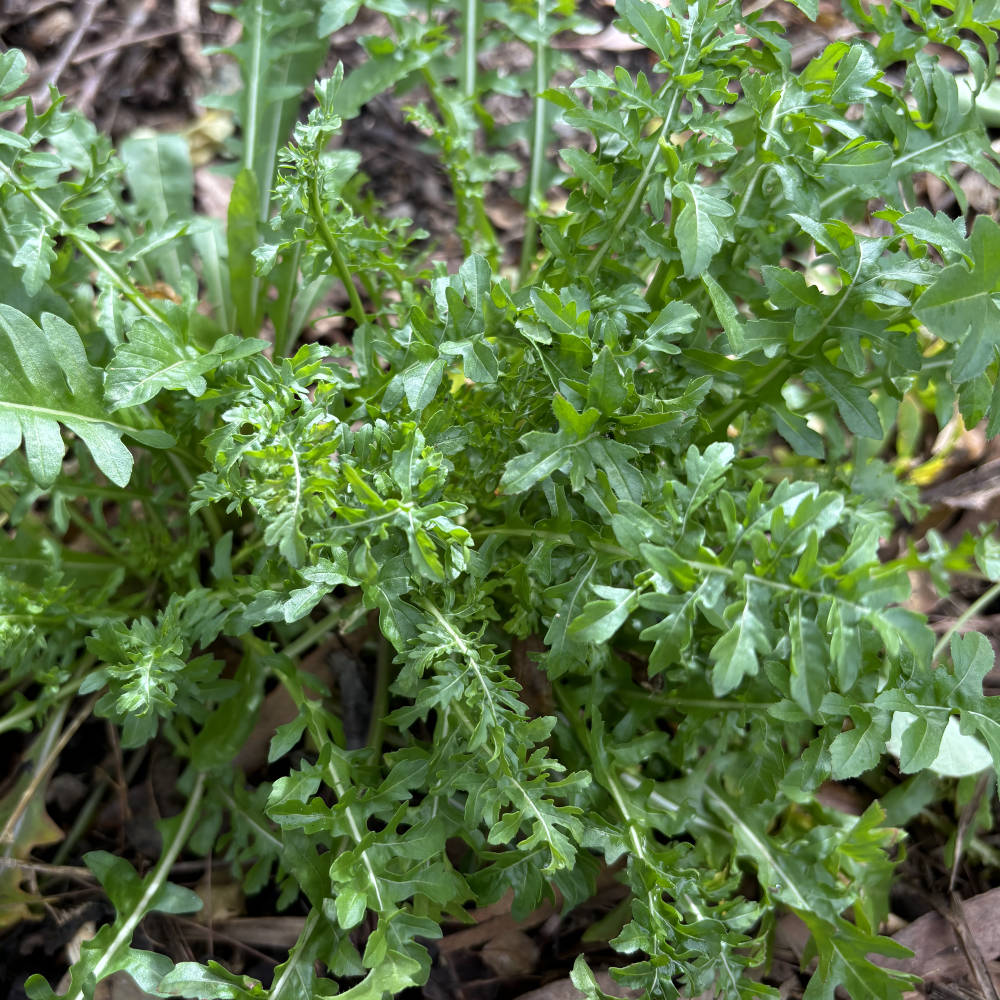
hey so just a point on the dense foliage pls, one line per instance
(657, 455)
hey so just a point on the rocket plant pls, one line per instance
(658, 451)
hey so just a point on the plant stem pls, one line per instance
(32, 708)
(96, 258)
(756, 397)
(647, 171)
(469, 49)
(282, 334)
(979, 603)
(313, 634)
(156, 881)
(380, 698)
(357, 310)
(533, 193)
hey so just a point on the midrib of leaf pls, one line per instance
(555, 451)
(159, 373)
(466, 652)
(551, 837)
(339, 785)
(294, 963)
(250, 820)
(787, 881)
(940, 144)
(550, 834)
(297, 502)
(695, 495)
(611, 786)
(5, 229)
(375, 518)
(762, 165)
(171, 248)
(65, 416)
(570, 602)
(156, 880)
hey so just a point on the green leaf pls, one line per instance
(697, 229)
(13, 71)
(242, 239)
(154, 358)
(852, 401)
(421, 381)
(545, 454)
(858, 162)
(161, 182)
(389, 64)
(725, 309)
(860, 748)
(606, 389)
(845, 960)
(649, 23)
(46, 380)
(209, 982)
(809, 661)
(945, 233)
(959, 306)
(736, 653)
(601, 619)
(35, 253)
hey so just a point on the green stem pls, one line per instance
(380, 699)
(313, 634)
(979, 603)
(208, 515)
(282, 333)
(97, 536)
(151, 890)
(95, 257)
(357, 310)
(666, 272)
(472, 218)
(708, 569)
(533, 194)
(755, 397)
(711, 704)
(5, 229)
(32, 708)
(470, 49)
(647, 171)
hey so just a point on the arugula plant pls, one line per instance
(655, 454)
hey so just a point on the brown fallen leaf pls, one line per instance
(266, 932)
(563, 989)
(973, 490)
(608, 40)
(491, 929)
(510, 954)
(936, 951)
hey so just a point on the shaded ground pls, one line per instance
(141, 64)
